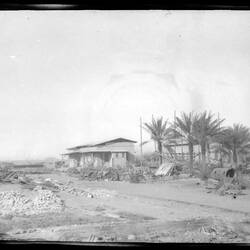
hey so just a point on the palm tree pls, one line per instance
(157, 129)
(205, 129)
(219, 148)
(237, 141)
(184, 127)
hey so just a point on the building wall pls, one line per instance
(119, 159)
(100, 158)
(128, 146)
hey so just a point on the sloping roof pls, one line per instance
(97, 151)
(101, 143)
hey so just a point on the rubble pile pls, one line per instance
(15, 203)
(12, 202)
(67, 187)
(55, 186)
(75, 191)
(47, 201)
(100, 193)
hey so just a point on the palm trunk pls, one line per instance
(221, 162)
(235, 162)
(208, 152)
(203, 161)
(235, 158)
(191, 159)
(160, 151)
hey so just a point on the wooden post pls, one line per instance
(182, 155)
(141, 139)
(175, 133)
(92, 158)
(111, 159)
(221, 160)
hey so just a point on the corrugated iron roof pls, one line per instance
(96, 151)
(93, 144)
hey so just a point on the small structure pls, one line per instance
(111, 153)
(168, 169)
(164, 169)
(180, 150)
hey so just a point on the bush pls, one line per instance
(130, 173)
(111, 174)
(73, 171)
(136, 178)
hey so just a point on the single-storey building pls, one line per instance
(180, 148)
(112, 153)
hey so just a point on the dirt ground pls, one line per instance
(179, 210)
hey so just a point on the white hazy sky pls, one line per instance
(70, 77)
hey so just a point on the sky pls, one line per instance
(71, 77)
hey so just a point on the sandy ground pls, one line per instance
(173, 211)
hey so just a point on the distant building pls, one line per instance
(180, 149)
(112, 153)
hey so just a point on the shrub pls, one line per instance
(73, 171)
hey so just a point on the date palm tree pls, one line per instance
(205, 129)
(183, 127)
(219, 149)
(237, 141)
(157, 129)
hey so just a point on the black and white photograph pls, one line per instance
(125, 126)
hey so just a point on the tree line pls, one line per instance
(203, 129)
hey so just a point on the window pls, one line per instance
(116, 155)
(123, 155)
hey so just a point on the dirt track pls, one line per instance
(176, 211)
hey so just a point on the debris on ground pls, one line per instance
(169, 169)
(131, 237)
(47, 201)
(222, 173)
(211, 184)
(53, 185)
(15, 203)
(102, 193)
(105, 238)
(223, 186)
(208, 230)
(230, 189)
(92, 238)
(7, 175)
(76, 191)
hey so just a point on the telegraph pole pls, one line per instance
(154, 141)
(220, 150)
(141, 138)
(174, 132)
